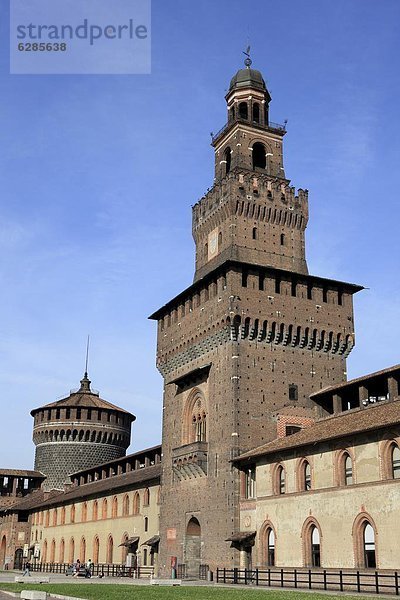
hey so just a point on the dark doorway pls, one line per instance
(18, 559)
(193, 548)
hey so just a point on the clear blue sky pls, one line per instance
(98, 174)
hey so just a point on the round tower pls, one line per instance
(78, 432)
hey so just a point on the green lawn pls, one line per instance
(95, 591)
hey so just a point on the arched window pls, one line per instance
(146, 523)
(395, 462)
(136, 504)
(304, 476)
(146, 497)
(73, 513)
(254, 233)
(104, 509)
(195, 418)
(227, 158)
(124, 547)
(53, 551)
(71, 552)
(54, 517)
(315, 547)
(259, 156)
(62, 551)
(243, 110)
(110, 550)
(369, 546)
(114, 511)
(282, 239)
(44, 553)
(348, 469)
(256, 112)
(63, 515)
(281, 488)
(96, 550)
(82, 556)
(95, 510)
(364, 539)
(125, 506)
(47, 521)
(270, 536)
(84, 512)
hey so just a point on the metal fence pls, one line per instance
(354, 581)
(98, 570)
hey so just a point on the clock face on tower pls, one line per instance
(212, 244)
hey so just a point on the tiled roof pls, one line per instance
(118, 461)
(21, 473)
(96, 488)
(352, 422)
(351, 382)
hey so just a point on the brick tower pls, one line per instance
(78, 432)
(246, 344)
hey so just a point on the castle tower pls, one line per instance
(78, 432)
(247, 343)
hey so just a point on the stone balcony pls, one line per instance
(190, 461)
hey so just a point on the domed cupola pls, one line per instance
(78, 432)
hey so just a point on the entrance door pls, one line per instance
(193, 548)
(18, 559)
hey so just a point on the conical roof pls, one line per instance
(83, 397)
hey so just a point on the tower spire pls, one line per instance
(85, 381)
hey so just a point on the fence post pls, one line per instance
(245, 577)
(281, 577)
(341, 580)
(269, 577)
(235, 575)
(295, 578)
(324, 579)
(396, 582)
(358, 582)
(257, 576)
(377, 582)
(309, 579)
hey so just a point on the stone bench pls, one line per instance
(166, 582)
(33, 595)
(37, 579)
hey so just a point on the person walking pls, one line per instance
(27, 569)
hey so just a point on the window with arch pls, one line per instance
(125, 506)
(146, 523)
(243, 110)
(390, 459)
(110, 549)
(195, 418)
(304, 476)
(82, 554)
(146, 497)
(54, 517)
(311, 536)
(364, 538)
(282, 238)
(346, 469)
(254, 235)
(71, 552)
(259, 156)
(280, 480)
(227, 159)
(53, 551)
(136, 504)
(395, 456)
(95, 510)
(96, 550)
(73, 511)
(62, 551)
(84, 512)
(104, 509)
(44, 553)
(47, 521)
(63, 515)
(114, 510)
(159, 496)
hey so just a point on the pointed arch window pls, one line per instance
(369, 546)
(259, 156)
(110, 549)
(114, 510)
(315, 547)
(281, 480)
(136, 504)
(104, 510)
(304, 476)
(256, 112)
(348, 469)
(95, 511)
(195, 418)
(146, 497)
(227, 158)
(270, 547)
(125, 506)
(395, 462)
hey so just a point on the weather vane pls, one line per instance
(248, 60)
